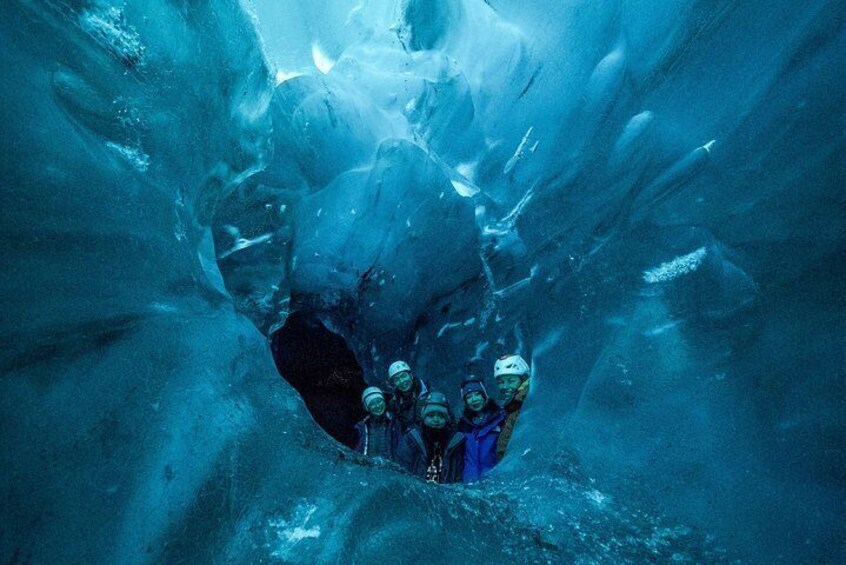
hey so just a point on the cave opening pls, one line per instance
(320, 366)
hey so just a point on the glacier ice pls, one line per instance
(645, 198)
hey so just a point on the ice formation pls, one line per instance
(643, 198)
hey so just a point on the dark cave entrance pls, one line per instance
(322, 368)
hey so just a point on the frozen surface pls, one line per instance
(644, 198)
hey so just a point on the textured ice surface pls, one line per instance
(643, 198)
(675, 268)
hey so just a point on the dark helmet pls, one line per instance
(435, 402)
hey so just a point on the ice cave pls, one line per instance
(222, 219)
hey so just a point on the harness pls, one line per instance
(436, 466)
(434, 472)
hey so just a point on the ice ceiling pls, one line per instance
(645, 198)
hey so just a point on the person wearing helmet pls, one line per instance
(512, 377)
(378, 433)
(433, 450)
(481, 424)
(408, 392)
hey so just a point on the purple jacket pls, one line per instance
(480, 449)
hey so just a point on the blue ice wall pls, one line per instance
(643, 198)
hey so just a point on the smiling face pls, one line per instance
(376, 406)
(475, 400)
(435, 420)
(402, 381)
(508, 385)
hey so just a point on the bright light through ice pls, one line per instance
(282, 76)
(321, 60)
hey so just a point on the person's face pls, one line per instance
(475, 400)
(376, 406)
(435, 420)
(402, 381)
(508, 385)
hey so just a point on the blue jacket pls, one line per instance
(365, 429)
(480, 449)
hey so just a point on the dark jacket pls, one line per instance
(416, 454)
(406, 409)
(512, 412)
(480, 446)
(378, 436)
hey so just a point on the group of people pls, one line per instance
(416, 428)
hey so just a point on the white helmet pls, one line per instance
(397, 367)
(369, 393)
(511, 365)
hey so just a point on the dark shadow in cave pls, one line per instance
(320, 366)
